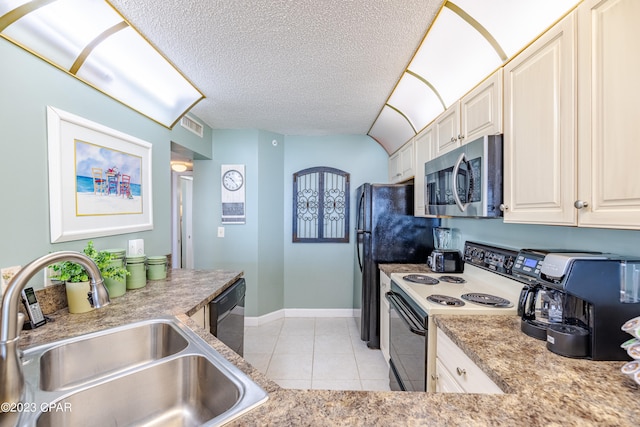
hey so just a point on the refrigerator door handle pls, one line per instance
(360, 231)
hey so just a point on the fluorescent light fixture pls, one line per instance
(90, 40)
(468, 40)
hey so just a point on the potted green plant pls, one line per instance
(77, 280)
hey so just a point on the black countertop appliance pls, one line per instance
(593, 289)
(387, 232)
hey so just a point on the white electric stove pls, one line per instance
(486, 287)
(474, 280)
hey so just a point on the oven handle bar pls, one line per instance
(406, 314)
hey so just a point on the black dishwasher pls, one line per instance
(226, 316)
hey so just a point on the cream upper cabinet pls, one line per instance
(401, 163)
(447, 129)
(423, 148)
(539, 129)
(477, 114)
(481, 110)
(608, 122)
(394, 167)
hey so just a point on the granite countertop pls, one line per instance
(183, 292)
(541, 388)
(404, 268)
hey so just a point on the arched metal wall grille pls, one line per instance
(321, 205)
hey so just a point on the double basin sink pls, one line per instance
(155, 372)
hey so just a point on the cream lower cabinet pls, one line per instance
(608, 121)
(539, 130)
(201, 317)
(385, 286)
(456, 373)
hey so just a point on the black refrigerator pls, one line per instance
(387, 232)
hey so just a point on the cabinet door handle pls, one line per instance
(579, 204)
(453, 139)
(460, 137)
(461, 371)
(504, 207)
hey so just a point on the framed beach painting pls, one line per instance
(99, 179)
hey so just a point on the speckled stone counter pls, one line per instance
(183, 292)
(541, 388)
(404, 268)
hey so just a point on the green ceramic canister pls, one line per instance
(116, 287)
(157, 267)
(137, 268)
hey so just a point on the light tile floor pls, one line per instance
(315, 353)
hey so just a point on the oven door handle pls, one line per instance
(405, 313)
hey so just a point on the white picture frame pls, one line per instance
(82, 206)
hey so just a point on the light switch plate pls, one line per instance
(220, 231)
(136, 247)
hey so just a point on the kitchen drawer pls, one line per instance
(464, 372)
(444, 381)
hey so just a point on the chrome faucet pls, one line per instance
(12, 378)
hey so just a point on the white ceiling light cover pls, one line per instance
(391, 130)
(468, 41)
(454, 57)
(90, 40)
(514, 24)
(416, 100)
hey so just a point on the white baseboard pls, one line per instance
(298, 312)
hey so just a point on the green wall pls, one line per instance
(320, 275)
(256, 246)
(519, 236)
(280, 274)
(27, 86)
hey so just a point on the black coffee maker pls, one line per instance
(593, 295)
(539, 306)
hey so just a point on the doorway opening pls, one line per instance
(182, 220)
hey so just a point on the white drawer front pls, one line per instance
(444, 381)
(466, 373)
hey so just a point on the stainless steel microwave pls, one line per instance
(467, 181)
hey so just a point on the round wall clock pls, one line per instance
(232, 180)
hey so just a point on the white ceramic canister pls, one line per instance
(157, 267)
(137, 268)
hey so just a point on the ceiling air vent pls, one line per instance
(191, 125)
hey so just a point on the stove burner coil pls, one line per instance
(486, 299)
(452, 279)
(421, 278)
(445, 300)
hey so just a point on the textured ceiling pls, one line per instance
(303, 67)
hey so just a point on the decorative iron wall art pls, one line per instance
(321, 205)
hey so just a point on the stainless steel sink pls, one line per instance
(187, 391)
(156, 372)
(75, 362)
